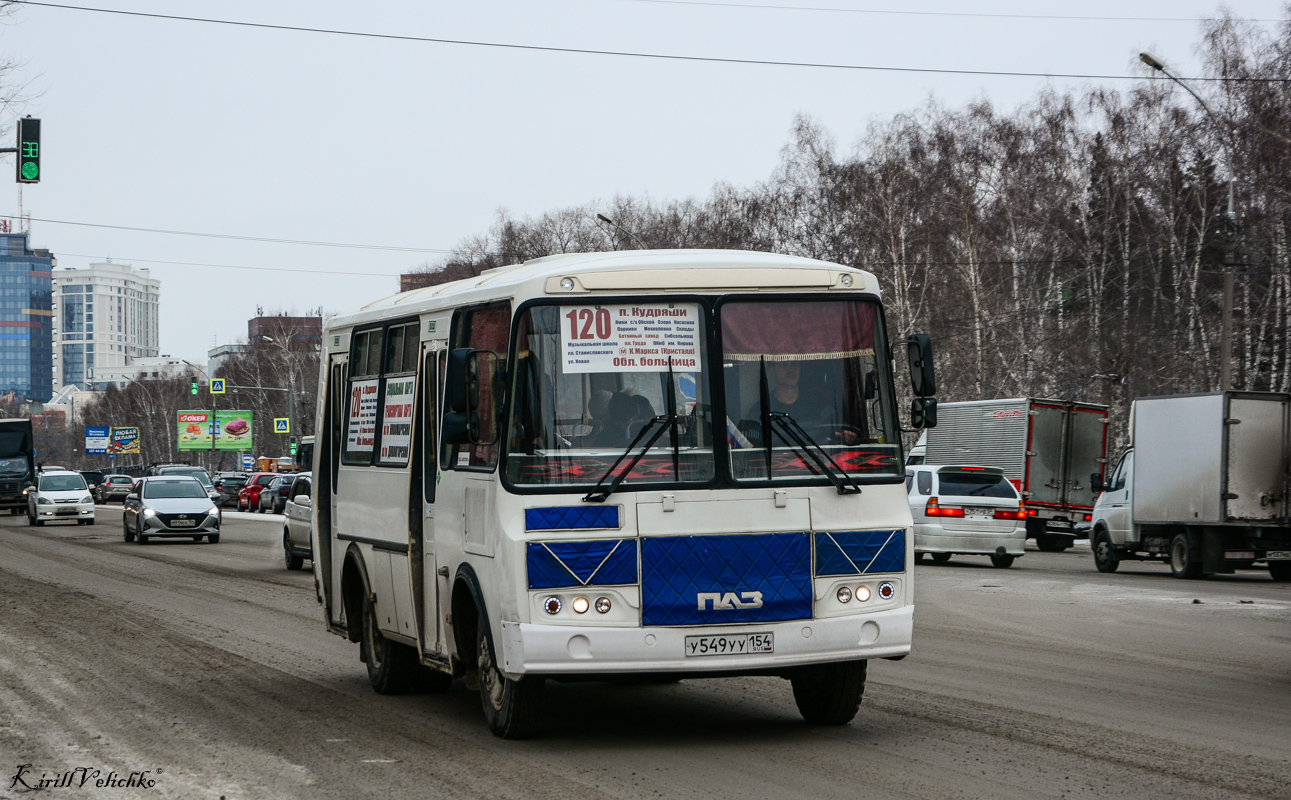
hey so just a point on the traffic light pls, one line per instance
(192, 388)
(293, 445)
(28, 150)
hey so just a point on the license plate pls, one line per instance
(1278, 555)
(183, 523)
(730, 645)
(979, 512)
(1059, 523)
(63, 512)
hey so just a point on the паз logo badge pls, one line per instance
(727, 601)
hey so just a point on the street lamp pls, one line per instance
(1230, 242)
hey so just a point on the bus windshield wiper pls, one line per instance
(794, 433)
(598, 495)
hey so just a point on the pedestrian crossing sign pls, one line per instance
(282, 425)
(217, 386)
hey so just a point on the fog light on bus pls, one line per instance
(602, 605)
(844, 594)
(580, 605)
(862, 594)
(886, 590)
(551, 605)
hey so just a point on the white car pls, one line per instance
(965, 510)
(296, 545)
(60, 495)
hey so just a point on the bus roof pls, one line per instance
(623, 272)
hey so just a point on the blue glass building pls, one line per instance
(26, 336)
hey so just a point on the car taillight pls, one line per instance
(1009, 513)
(1088, 517)
(935, 510)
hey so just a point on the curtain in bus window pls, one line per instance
(797, 331)
(488, 329)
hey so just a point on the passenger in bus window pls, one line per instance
(620, 413)
(810, 405)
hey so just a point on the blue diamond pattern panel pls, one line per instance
(860, 552)
(567, 518)
(555, 565)
(676, 570)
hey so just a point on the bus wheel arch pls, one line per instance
(354, 587)
(467, 607)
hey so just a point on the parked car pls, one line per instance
(170, 506)
(966, 510)
(273, 498)
(296, 544)
(60, 496)
(228, 484)
(113, 487)
(249, 495)
(196, 472)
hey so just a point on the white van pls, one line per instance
(666, 463)
(60, 495)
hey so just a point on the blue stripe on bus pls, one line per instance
(860, 552)
(563, 518)
(555, 565)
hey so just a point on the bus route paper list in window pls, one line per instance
(363, 416)
(630, 338)
(396, 420)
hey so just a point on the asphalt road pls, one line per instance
(208, 667)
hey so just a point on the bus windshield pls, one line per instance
(809, 378)
(589, 378)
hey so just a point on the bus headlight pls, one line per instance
(844, 594)
(551, 605)
(862, 594)
(602, 605)
(581, 605)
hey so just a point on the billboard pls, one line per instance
(96, 440)
(123, 441)
(194, 430)
(233, 430)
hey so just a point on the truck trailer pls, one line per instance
(1047, 448)
(17, 463)
(1204, 486)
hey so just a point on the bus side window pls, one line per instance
(483, 328)
(432, 380)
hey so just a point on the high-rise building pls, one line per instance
(25, 330)
(105, 315)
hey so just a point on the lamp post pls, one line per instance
(1230, 240)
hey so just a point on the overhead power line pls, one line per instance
(623, 53)
(271, 240)
(903, 13)
(236, 266)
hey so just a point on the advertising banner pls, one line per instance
(124, 442)
(362, 429)
(194, 430)
(233, 430)
(396, 421)
(630, 337)
(96, 441)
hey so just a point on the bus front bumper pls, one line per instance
(568, 649)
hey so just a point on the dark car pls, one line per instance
(93, 477)
(170, 506)
(273, 498)
(228, 485)
(113, 487)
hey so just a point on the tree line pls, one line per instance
(1073, 248)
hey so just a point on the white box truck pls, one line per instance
(1203, 486)
(1047, 448)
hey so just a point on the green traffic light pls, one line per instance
(30, 171)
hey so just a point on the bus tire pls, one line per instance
(392, 667)
(1184, 558)
(1105, 556)
(1280, 571)
(511, 708)
(829, 694)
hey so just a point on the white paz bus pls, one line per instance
(660, 463)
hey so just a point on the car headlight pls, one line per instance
(213, 511)
(89, 498)
(44, 501)
(148, 512)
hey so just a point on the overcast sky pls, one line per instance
(190, 126)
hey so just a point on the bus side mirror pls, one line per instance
(923, 380)
(463, 422)
(1096, 483)
(923, 412)
(462, 381)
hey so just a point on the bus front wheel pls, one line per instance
(392, 667)
(512, 708)
(829, 694)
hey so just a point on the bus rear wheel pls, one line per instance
(829, 694)
(392, 667)
(512, 708)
